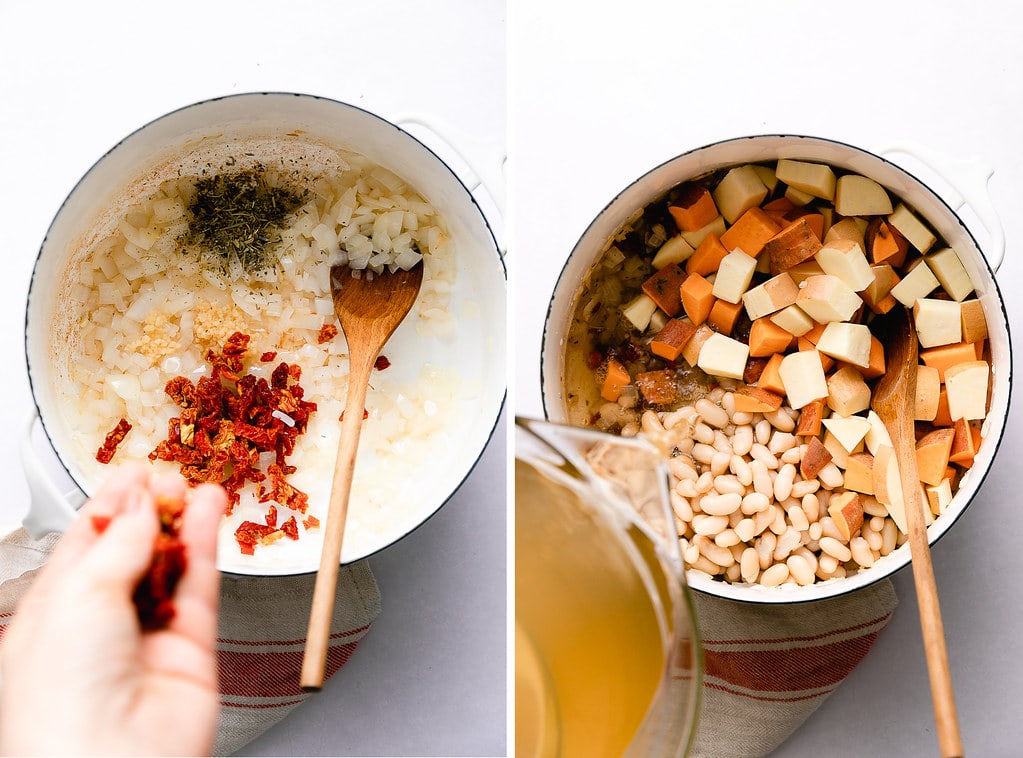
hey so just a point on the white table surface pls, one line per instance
(600, 97)
(430, 677)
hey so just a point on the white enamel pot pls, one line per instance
(476, 351)
(938, 213)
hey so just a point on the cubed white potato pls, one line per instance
(974, 323)
(912, 228)
(827, 298)
(793, 320)
(845, 259)
(776, 293)
(878, 434)
(693, 239)
(918, 283)
(938, 322)
(723, 356)
(848, 392)
(888, 485)
(767, 176)
(639, 311)
(798, 197)
(816, 179)
(802, 375)
(967, 384)
(949, 270)
(939, 496)
(739, 190)
(849, 432)
(675, 250)
(847, 342)
(735, 272)
(857, 195)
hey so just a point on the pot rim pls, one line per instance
(898, 559)
(383, 123)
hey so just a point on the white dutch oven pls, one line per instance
(477, 352)
(936, 211)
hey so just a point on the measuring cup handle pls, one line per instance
(969, 178)
(485, 156)
(49, 509)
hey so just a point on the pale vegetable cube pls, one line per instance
(723, 356)
(918, 283)
(693, 239)
(857, 195)
(845, 259)
(847, 342)
(974, 323)
(928, 391)
(776, 293)
(938, 322)
(847, 229)
(793, 320)
(735, 272)
(675, 250)
(798, 197)
(802, 375)
(949, 270)
(966, 384)
(816, 179)
(939, 496)
(848, 393)
(912, 228)
(839, 455)
(639, 311)
(878, 434)
(888, 485)
(827, 298)
(767, 176)
(740, 190)
(849, 432)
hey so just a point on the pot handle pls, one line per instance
(49, 509)
(968, 180)
(486, 157)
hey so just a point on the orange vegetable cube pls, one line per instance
(811, 417)
(791, 246)
(658, 387)
(965, 443)
(697, 296)
(664, 288)
(724, 315)
(770, 377)
(707, 256)
(767, 338)
(944, 357)
(694, 208)
(672, 338)
(616, 378)
(756, 400)
(750, 232)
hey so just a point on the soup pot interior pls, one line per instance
(477, 352)
(929, 205)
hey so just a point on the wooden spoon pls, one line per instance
(893, 402)
(368, 310)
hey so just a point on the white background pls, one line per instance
(603, 92)
(429, 678)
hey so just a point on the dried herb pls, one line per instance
(240, 214)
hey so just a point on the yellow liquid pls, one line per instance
(589, 647)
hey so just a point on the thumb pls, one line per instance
(122, 554)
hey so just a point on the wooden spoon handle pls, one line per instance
(318, 634)
(932, 629)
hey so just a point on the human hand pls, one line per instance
(78, 674)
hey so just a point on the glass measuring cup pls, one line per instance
(607, 654)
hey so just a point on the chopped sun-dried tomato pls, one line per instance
(381, 363)
(311, 522)
(100, 523)
(113, 439)
(154, 595)
(327, 333)
(227, 421)
(290, 528)
(268, 356)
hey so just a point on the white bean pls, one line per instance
(717, 393)
(799, 570)
(726, 483)
(712, 413)
(743, 440)
(827, 564)
(783, 482)
(755, 502)
(707, 525)
(761, 479)
(872, 507)
(719, 463)
(681, 468)
(811, 506)
(874, 539)
(680, 506)
(720, 555)
(727, 538)
(780, 442)
(742, 418)
(807, 556)
(830, 529)
(763, 519)
(733, 573)
(831, 476)
(651, 422)
(797, 517)
(728, 403)
(815, 531)
(787, 542)
(889, 537)
(745, 530)
(705, 483)
(703, 433)
(707, 566)
(721, 442)
(774, 575)
(762, 431)
(861, 553)
(749, 565)
(779, 525)
(741, 468)
(720, 504)
(703, 453)
(690, 553)
(780, 420)
(765, 549)
(804, 487)
(835, 548)
(765, 456)
(792, 455)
